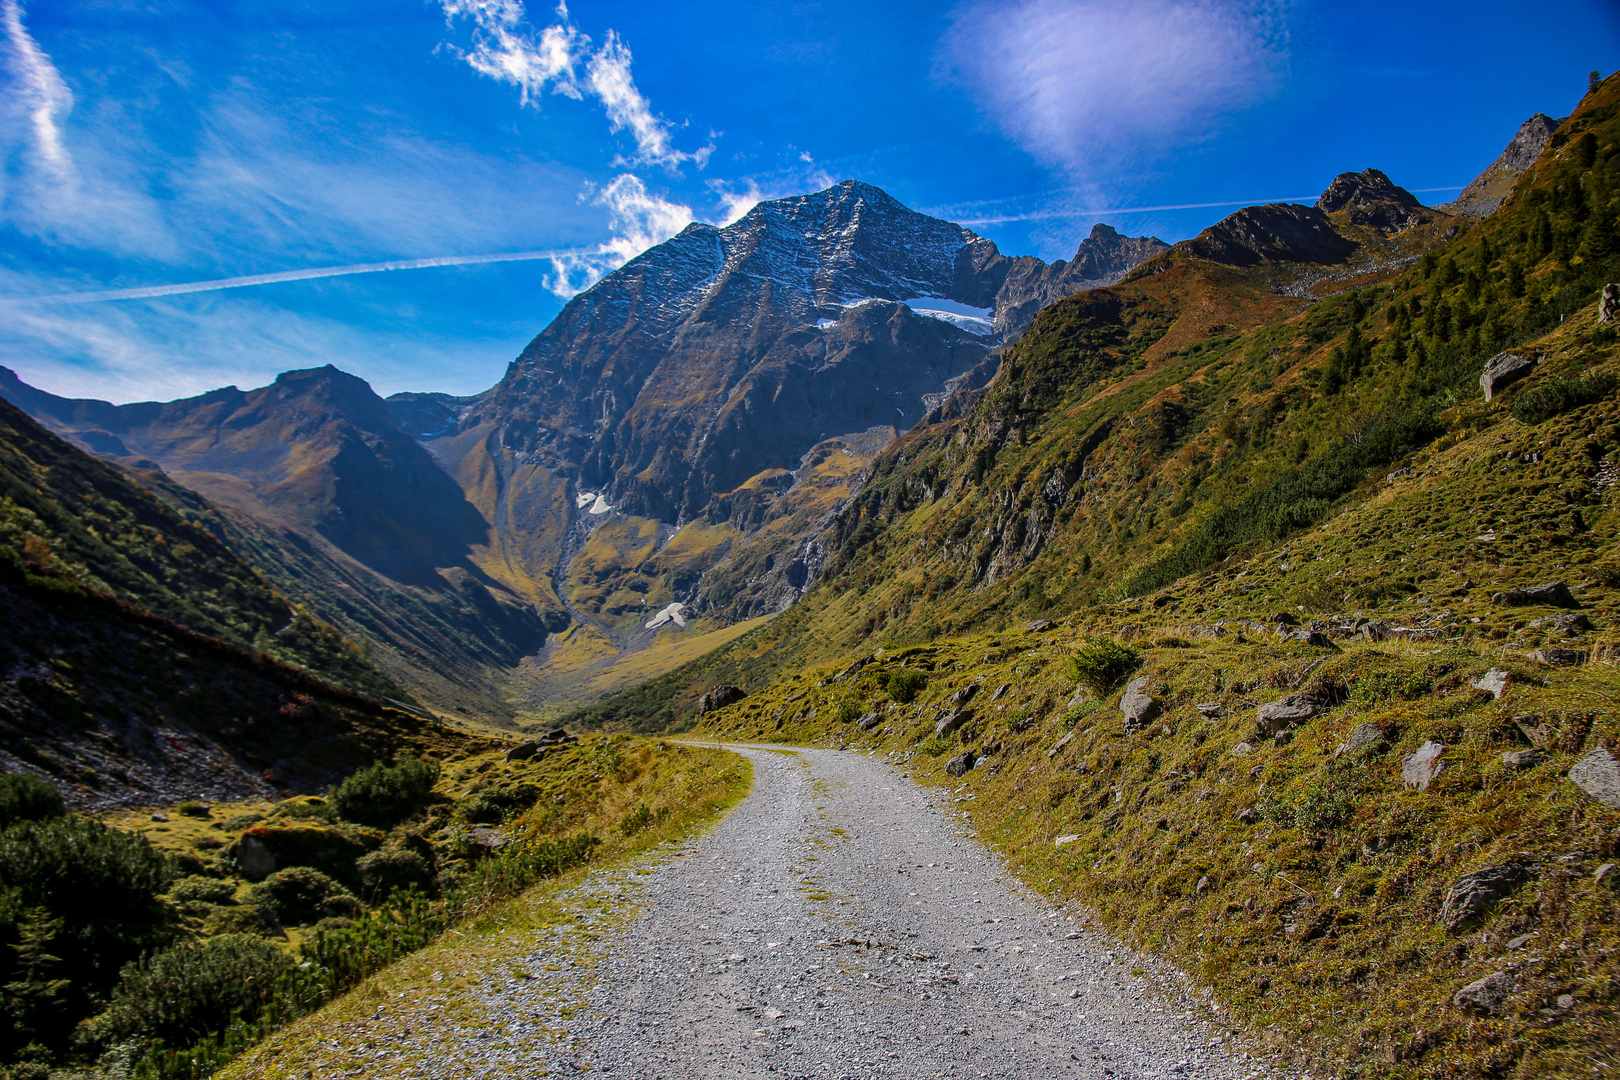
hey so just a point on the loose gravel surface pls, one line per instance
(838, 923)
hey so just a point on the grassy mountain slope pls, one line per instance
(73, 518)
(1140, 434)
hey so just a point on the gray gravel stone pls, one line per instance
(1598, 774)
(1419, 768)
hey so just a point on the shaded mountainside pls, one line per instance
(313, 480)
(1207, 408)
(73, 518)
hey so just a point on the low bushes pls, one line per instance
(385, 795)
(904, 684)
(300, 894)
(190, 990)
(1102, 665)
(1544, 401)
(28, 798)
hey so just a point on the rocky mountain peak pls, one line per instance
(1487, 190)
(1276, 231)
(1371, 199)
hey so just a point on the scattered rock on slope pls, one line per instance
(1139, 708)
(1503, 370)
(1598, 774)
(1419, 768)
(1553, 594)
(1486, 996)
(1471, 895)
(719, 698)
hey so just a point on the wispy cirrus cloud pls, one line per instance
(1090, 85)
(507, 48)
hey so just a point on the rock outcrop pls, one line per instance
(1275, 232)
(1503, 370)
(1487, 190)
(1372, 200)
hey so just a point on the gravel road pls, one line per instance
(838, 923)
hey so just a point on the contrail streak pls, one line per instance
(146, 291)
(1043, 214)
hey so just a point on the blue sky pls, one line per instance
(168, 142)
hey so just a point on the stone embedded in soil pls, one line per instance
(1065, 841)
(953, 720)
(1494, 682)
(522, 751)
(1560, 657)
(1487, 996)
(1609, 304)
(1248, 815)
(253, 859)
(960, 764)
(1211, 710)
(1419, 768)
(870, 720)
(1365, 739)
(719, 698)
(1553, 594)
(1503, 370)
(1039, 626)
(1522, 759)
(1139, 708)
(1242, 748)
(1569, 624)
(1285, 713)
(1472, 895)
(1598, 774)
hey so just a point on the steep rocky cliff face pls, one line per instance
(726, 352)
(1487, 190)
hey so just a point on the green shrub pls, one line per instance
(191, 990)
(300, 894)
(905, 684)
(101, 883)
(1102, 664)
(1546, 400)
(205, 890)
(935, 745)
(24, 797)
(640, 818)
(1376, 687)
(192, 808)
(395, 870)
(385, 795)
(850, 711)
(493, 805)
(1076, 713)
(1320, 808)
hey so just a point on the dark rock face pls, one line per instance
(1471, 895)
(719, 698)
(1554, 594)
(960, 764)
(722, 353)
(1370, 198)
(1609, 304)
(1275, 231)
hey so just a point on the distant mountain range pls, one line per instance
(662, 463)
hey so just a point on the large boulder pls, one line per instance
(1503, 370)
(1472, 895)
(1139, 708)
(1598, 774)
(1609, 304)
(960, 764)
(1553, 594)
(719, 698)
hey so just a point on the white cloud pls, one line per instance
(1088, 85)
(639, 220)
(506, 48)
(39, 93)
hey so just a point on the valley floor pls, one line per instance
(838, 923)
